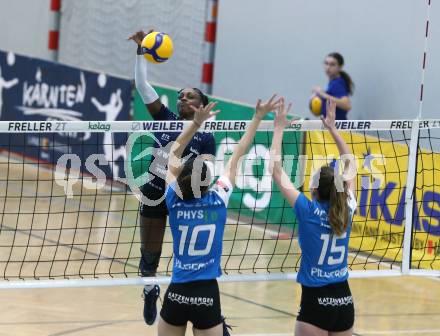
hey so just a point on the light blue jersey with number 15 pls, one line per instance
(197, 227)
(324, 254)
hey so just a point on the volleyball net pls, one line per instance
(69, 200)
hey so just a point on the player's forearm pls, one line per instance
(246, 140)
(340, 142)
(240, 149)
(343, 103)
(282, 180)
(177, 149)
(276, 154)
(146, 91)
(184, 139)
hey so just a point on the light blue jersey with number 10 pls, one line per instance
(197, 227)
(324, 254)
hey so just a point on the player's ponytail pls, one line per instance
(329, 183)
(348, 81)
(345, 76)
(194, 179)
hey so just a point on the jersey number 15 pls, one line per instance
(192, 251)
(337, 253)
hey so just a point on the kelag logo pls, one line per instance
(294, 124)
(99, 126)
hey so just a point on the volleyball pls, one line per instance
(315, 105)
(157, 47)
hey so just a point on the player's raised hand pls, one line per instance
(281, 121)
(203, 113)
(264, 108)
(139, 36)
(330, 117)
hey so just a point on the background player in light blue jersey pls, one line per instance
(197, 216)
(324, 225)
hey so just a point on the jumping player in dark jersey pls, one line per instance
(197, 214)
(324, 225)
(153, 213)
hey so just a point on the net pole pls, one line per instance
(412, 158)
(409, 197)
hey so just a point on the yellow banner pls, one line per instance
(378, 225)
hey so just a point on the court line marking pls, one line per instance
(75, 330)
(117, 321)
(264, 334)
(401, 332)
(280, 311)
(257, 227)
(380, 332)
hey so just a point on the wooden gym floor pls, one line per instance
(391, 306)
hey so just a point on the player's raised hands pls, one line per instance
(202, 113)
(264, 108)
(330, 117)
(282, 111)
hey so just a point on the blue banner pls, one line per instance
(36, 90)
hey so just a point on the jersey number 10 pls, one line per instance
(337, 253)
(192, 251)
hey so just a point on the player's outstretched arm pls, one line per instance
(200, 115)
(279, 175)
(260, 112)
(147, 92)
(344, 150)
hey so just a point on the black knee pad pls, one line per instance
(149, 262)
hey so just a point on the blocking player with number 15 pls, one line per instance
(324, 226)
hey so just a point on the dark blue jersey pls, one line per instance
(337, 88)
(201, 143)
(197, 227)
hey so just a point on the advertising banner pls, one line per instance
(378, 224)
(37, 90)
